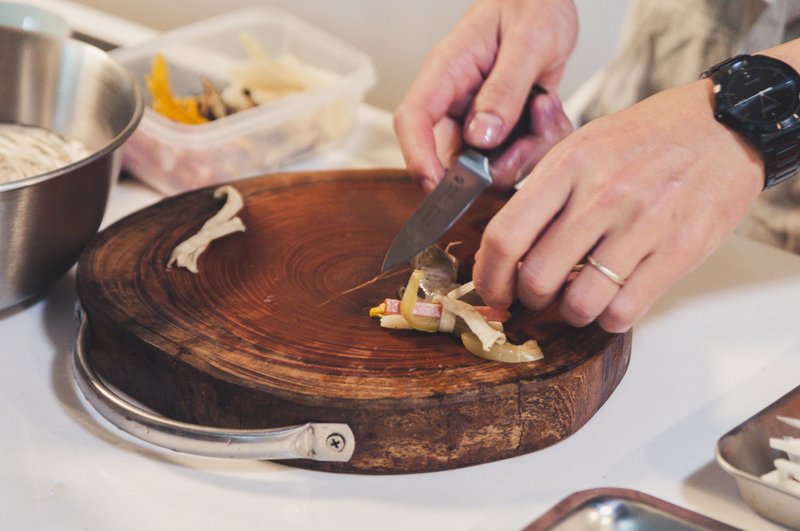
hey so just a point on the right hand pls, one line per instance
(480, 75)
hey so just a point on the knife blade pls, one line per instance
(454, 194)
(463, 182)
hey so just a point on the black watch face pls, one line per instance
(760, 93)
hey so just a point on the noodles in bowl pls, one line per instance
(27, 150)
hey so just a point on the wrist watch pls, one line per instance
(759, 97)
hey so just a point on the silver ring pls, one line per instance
(610, 275)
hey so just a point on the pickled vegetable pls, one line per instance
(479, 327)
(505, 352)
(183, 110)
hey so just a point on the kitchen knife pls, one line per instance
(461, 185)
(463, 182)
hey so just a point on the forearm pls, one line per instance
(788, 52)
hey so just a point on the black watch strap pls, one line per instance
(781, 157)
(721, 65)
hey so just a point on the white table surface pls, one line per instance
(718, 347)
(722, 344)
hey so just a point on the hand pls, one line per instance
(649, 192)
(480, 75)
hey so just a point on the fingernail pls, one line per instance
(484, 129)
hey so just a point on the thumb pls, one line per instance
(499, 102)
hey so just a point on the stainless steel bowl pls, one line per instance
(77, 91)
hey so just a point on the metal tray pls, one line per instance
(744, 452)
(610, 509)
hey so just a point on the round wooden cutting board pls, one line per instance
(261, 337)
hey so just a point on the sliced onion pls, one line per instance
(475, 321)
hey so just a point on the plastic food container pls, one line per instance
(173, 157)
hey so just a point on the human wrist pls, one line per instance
(726, 141)
(757, 96)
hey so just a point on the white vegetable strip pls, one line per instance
(462, 290)
(787, 467)
(221, 224)
(447, 322)
(787, 471)
(475, 321)
(395, 321)
(263, 78)
(778, 477)
(791, 446)
(795, 423)
(774, 476)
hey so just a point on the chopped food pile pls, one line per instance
(26, 151)
(451, 308)
(787, 470)
(260, 79)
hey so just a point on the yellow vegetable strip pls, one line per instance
(506, 352)
(183, 110)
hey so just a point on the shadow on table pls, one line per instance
(60, 325)
(730, 268)
(711, 478)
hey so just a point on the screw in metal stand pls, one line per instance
(335, 442)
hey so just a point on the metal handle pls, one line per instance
(320, 442)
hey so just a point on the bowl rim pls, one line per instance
(113, 144)
(49, 22)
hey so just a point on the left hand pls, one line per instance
(649, 192)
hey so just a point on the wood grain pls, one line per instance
(261, 337)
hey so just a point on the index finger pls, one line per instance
(437, 92)
(512, 232)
